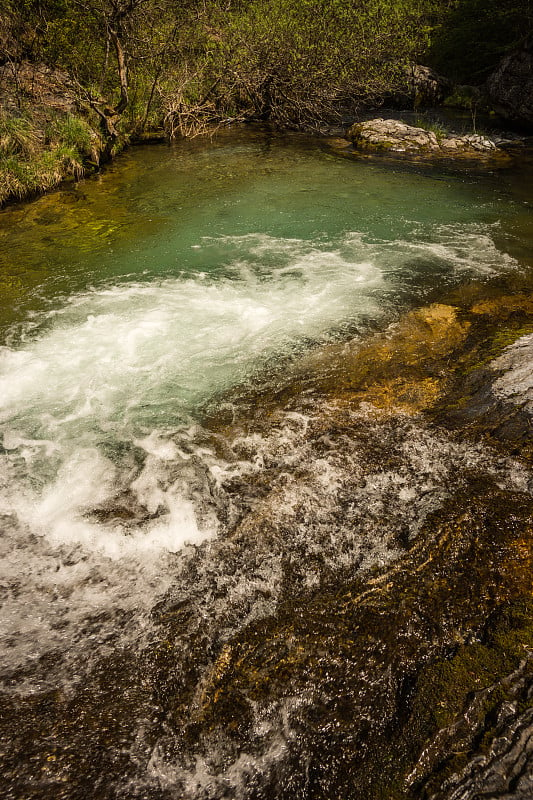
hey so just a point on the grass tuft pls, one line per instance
(33, 160)
(17, 136)
(434, 127)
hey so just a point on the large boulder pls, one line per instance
(425, 86)
(391, 134)
(395, 136)
(510, 87)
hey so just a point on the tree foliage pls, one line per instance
(282, 60)
(140, 63)
(294, 62)
(473, 35)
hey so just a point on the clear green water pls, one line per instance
(164, 212)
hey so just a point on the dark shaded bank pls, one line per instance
(406, 674)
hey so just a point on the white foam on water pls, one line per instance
(465, 249)
(127, 365)
(450, 250)
(100, 405)
(104, 475)
(214, 775)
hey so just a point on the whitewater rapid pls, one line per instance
(106, 471)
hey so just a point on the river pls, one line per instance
(227, 416)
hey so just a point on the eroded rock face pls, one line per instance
(516, 383)
(393, 135)
(426, 87)
(38, 83)
(493, 396)
(510, 87)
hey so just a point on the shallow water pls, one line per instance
(137, 301)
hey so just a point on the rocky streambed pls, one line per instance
(308, 656)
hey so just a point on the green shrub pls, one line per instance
(75, 133)
(434, 127)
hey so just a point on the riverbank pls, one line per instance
(45, 136)
(50, 135)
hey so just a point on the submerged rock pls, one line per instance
(361, 627)
(398, 137)
(341, 691)
(411, 681)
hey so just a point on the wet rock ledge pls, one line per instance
(362, 628)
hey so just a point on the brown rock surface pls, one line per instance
(510, 87)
